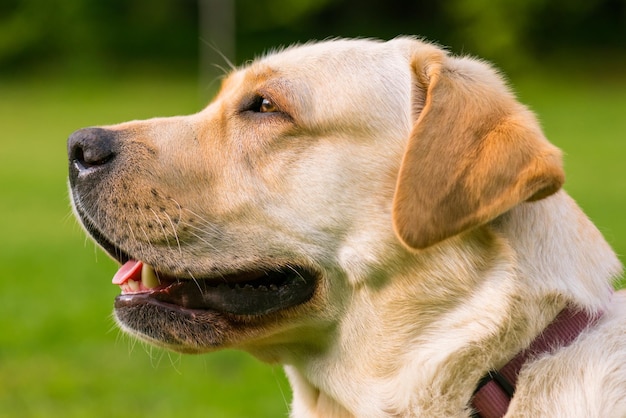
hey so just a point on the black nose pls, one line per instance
(90, 148)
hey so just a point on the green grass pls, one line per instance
(60, 353)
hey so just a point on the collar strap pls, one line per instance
(495, 390)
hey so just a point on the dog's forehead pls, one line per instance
(330, 78)
(338, 58)
(327, 62)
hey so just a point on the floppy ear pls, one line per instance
(474, 152)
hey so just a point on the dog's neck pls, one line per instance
(422, 350)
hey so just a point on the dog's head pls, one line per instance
(317, 171)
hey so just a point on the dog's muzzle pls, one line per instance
(155, 302)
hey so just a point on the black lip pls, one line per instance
(278, 289)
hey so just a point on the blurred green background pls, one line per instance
(66, 64)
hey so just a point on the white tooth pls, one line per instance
(148, 277)
(134, 285)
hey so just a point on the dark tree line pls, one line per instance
(77, 34)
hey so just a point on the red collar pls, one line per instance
(495, 390)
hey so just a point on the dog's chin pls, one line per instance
(171, 327)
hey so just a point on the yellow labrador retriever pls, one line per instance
(383, 218)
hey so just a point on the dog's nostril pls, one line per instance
(91, 147)
(92, 156)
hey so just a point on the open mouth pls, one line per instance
(253, 292)
(245, 292)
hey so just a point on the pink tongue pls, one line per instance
(131, 270)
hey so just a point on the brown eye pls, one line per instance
(266, 106)
(260, 104)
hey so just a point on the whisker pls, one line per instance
(136, 241)
(175, 364)
(194, 280)
(203, 221)
(68, 217)
(180, 209)
(221, 54)
(180, 250)
(156, 216)
(203, 240)
(224, 70)
(192, 226)
(155, 360)
(280, 388)
(297, 272)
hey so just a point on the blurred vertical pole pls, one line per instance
(216, 43)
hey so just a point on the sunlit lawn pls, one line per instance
(60, 354)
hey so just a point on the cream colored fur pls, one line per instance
(428, 200)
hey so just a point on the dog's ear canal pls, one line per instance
(474, 152)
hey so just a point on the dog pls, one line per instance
(384, 219)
